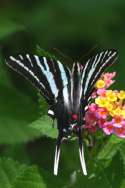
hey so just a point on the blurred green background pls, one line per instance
(27, 139)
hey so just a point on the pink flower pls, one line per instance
(92, 107)
(118, 122)
(116, 126)
(101, 113)
(120, 132)
(108, 78)
(94, 95)
(101, 92)
(105, 117)
(90, 118)
(108, 128)
(100, 123)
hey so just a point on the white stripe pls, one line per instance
(84, 69)
(45, 63)
(56, 161)
(81, 88)
(72, 82)
(71, 88)
(28, 57)
(109, 52)
(91, 72)
(65, 83)
(98, 62)
(111, 57)
(94, 66)
(95, 61)
(82, 160)
(63, 74)
(104, 55)
(28, 70)
(66, 95)
(39, 63)
(104, 64)
(48, 75)
(100, 67)
(21, 57)
(78, 65)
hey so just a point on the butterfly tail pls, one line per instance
(57, 156)
(81, 154)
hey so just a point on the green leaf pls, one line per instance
(122, 153)
(15, 175)
(44, 126)
(42, 104)
(110, 149)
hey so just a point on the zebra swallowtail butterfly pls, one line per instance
(67, 92)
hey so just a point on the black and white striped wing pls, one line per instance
(47, 75)
(94, 68)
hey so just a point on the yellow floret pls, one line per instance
(123, 113)
(121, 95)
(117, 111)
(101, 101)
(111, 96)
(109, 106)
(100, 84)
(112, 113)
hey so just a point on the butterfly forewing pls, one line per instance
(47, 75)
(18, 65)
(93, 69)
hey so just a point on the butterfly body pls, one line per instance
(67, 92)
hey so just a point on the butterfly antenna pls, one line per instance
(63, 55)
(89, 52)
(57, 155)
(81, 154)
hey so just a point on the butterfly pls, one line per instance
(67, 92)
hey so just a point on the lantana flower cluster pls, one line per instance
(107, 111)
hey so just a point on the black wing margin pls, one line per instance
(47, 75)
(94, 68)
